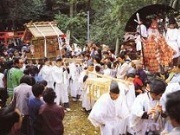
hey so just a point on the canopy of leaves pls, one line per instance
(76, 25)
(25, 9)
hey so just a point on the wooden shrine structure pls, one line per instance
(44, 39)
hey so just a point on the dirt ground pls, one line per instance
(76, 122)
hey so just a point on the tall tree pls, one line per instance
(24, 10)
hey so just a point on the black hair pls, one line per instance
(173, 106)
(114, 88)
(37, 89)
(157, 86)
(16, 60)
(105, 52)
(8, 117)
(132, 75)
(34, 70)
(85, 78)
(45, 59)
(97, 58)
(49, 95)
(122, 56)
(43, 82)
(26, 71)
(109, 65)
(172, 20)
(26, 79)
(97, 68)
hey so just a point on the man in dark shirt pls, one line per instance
(34, 105)
(51, 115)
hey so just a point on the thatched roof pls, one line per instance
(41, 29)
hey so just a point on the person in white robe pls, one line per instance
(66, 78)
(108, 111)
(128, 92)
(74, 85)
(108, 71)
(141, 32)
(173, 40)
(171, 87)
(80, 81)
(146, 112)
(45, 73)
(173, 111)
(123, 67)
(57, 76)
(141, 29)
(176, 76)
(88, 103)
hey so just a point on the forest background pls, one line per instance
(107, 18)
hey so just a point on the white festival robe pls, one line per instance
(175, 78)
(45, 74)
(173, 40)
(142, 30)
(80, 81)
(87, 103)
(108, 114)
(57, 75)
(74, 80)
(138, 42)
(144, 103)
(127, 90)
(123, 69)
(66, 86)
(107, 71)
(172, 87)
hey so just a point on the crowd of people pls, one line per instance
(39, 92)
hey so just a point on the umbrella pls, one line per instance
(144, 12)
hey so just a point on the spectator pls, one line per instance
(173, 111)
(3, 97)
(51, 115)
(123, 67)
(34, 104)
(20, 101)
(14, 75)
(10, 121)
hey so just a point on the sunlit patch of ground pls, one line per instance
(76, 122)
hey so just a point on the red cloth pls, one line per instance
(137, 81)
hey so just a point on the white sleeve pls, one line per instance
(143, 31)
(178, 40)
(98, 113)
(137, 107)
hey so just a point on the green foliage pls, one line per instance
(111, 17)
(25, 9)
(76, 25)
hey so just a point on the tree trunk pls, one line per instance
(117, 47)
(71, 12)
(174, 3)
